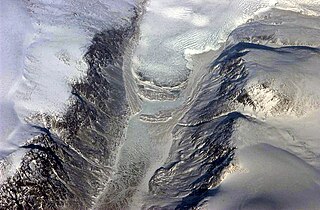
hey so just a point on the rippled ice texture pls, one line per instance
(43, 52)
(172, 29)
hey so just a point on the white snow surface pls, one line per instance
(171, 30)
(277, 165)
(271, 178)
(42, 47)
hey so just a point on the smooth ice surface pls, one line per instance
(15, 27)
(270, 178)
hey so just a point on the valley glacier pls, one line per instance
(159, 104)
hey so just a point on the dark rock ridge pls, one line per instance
(279, 28)
(203, 142)
(68, 163)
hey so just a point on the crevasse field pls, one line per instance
(160, 104)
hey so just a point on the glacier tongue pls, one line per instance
(171, 29)
(216, 97)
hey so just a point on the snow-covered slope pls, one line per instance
(61, 71)
(276, 164)
(229, 104)
(253, 112)
(269, 178)
(42, 49)
(172, 30)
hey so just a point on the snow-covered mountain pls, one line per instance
(154, 104)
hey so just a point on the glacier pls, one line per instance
(131, 104)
